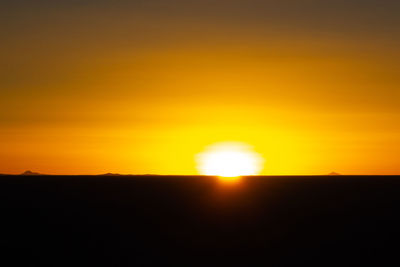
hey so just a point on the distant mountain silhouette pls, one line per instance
(110, 174)
(334, 173)
(30, 173)
(118, 174)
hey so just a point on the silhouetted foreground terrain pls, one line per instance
(199, 221)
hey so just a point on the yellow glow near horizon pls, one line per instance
(229, 160)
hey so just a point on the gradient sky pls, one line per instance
(98, 86)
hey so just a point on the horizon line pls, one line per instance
(29, 173)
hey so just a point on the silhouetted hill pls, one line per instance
(199, 221)
(334, 174)
(110, 174)
(28, 173)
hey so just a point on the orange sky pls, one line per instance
(141, 88)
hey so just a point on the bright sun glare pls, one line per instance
(229, 159)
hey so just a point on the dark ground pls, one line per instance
(199, 221)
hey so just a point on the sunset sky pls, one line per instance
(95, 86)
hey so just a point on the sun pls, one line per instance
(229, 159)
